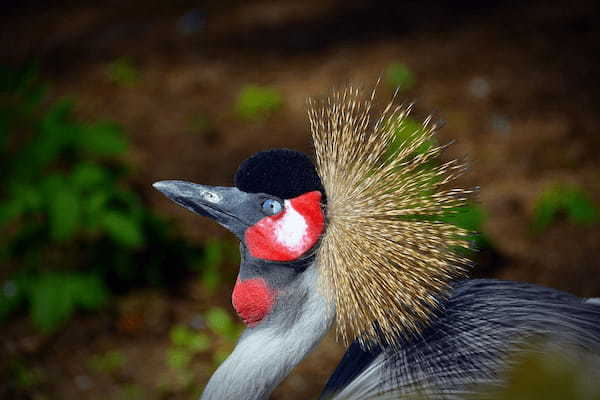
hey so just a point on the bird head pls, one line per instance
(276, 209)
(371, 214)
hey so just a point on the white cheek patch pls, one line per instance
(291, 229)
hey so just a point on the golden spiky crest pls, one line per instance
(387, 255)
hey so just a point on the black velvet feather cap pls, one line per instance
(279, 172)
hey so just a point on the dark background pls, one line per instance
(516, 83)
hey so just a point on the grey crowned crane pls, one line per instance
(361, 240)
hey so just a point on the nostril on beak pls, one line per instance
(211, 197)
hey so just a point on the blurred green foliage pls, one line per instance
(73, 229)
(399, 76)
(55, 296)
(570, 201)
(108, 362)
(225, 329)
(186, 343)
(256, 103)
(221, 324)
(123, 72)
(216, 253)
(407, 132)
(546, 376)
(472, 218)
(22, 376)
(130, 391)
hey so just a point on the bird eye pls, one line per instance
(271, 207)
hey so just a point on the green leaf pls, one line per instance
(95, 205)
(220, 322)
(64, 214)
(56, 132)
(11, 297)
(56, 116)
(51, 304)
(399, 76)
(408, 132)
(125, 199)
(123, 72)
(580, 208)
(22, 376)
(180, 335)
(122, 228)
(546, 208)
(210, 277)
(108, 362)
(55, 296)
(567, 199)
(87, 291)
(28, 195)
(199, 342)
(102, 139)
(212, 260)
(213, 253)
(130, 391)
(178, 358)
(52, 137)
(10, 210)
(22, 199)
(257, 102)
(470, 217)
(184, 337)
(88, 175)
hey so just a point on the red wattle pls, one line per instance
(252, 300)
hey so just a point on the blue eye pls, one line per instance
(271, 207)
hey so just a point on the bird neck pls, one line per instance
(267, 353)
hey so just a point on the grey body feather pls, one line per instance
(480, 331)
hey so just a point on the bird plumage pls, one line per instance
(387, 254)
(479, 332)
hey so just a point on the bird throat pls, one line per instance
(252, 300)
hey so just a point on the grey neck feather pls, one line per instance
(267, 353)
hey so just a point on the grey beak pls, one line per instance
(194, 197)
(228, 206)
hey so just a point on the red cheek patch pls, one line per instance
(252, 300)
(289, 234)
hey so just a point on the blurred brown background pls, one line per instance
(516, 83)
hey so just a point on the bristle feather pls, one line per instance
(387, 255)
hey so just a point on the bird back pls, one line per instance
(482, 329)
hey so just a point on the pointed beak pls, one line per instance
(226, 205)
